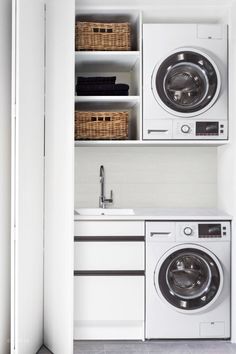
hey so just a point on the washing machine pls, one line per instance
(188, 279)
(185, 82)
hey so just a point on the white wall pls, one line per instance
(148, 176)
(5, 143)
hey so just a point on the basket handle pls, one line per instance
(103, 30)
(101, 119)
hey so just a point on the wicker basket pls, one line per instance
(102, 36)
(101, 125)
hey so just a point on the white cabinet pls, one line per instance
(109, 307)
(109, 280)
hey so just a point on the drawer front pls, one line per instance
(157, 231)
(109, 228)
(107, 307)
(109, 298)
(109, 256)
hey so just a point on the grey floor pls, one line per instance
(152, 347)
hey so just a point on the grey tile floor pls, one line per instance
(152, 347)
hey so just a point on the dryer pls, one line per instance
(188, 279)
(185, 81)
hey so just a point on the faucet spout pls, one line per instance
(102, 183)
(101, 172)
(103, 201)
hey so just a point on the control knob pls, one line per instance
(188, 231)
(185, 129)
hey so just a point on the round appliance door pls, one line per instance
(189, 277)
(186, 83)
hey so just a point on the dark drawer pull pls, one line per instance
(109, 273)
(109, 238)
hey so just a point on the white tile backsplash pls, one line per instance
(147, 176)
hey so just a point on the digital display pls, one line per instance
(209, 230)
(207, 128)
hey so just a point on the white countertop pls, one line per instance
(163, 214)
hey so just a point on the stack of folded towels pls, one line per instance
(100, 86)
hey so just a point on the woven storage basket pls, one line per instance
(101, 125)
(102, 36)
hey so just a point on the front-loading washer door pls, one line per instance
(186, 83)
(188, 278)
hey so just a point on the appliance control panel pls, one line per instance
(201, 130)
(203, 231)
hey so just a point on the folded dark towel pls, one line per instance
(103, 93)
(96, 80)
(103, 88)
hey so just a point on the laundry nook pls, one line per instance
(119, 177)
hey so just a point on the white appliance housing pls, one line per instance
(188, 279)
(185, 81)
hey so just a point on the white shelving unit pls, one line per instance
(125, 65)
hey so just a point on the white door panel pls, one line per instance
(59, 172)
(5, 168)
(28, 176)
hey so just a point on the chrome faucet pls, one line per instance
(102, 199)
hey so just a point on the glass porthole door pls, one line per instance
(186, 83)
(188, 279)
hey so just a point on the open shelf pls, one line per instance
(167, 143)
(114, 103)
(108, 61)
(106, 102)
(132, 16)
(124, 65)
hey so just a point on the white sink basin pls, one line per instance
(99, 211)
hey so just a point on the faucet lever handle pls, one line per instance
(111, 196)
(110, 200)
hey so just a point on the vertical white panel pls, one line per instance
(28, 176)
(5, 158)
(227, 164)
(59, 173)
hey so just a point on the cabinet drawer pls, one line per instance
(109, 256)
(109, 228)
(108, 307)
